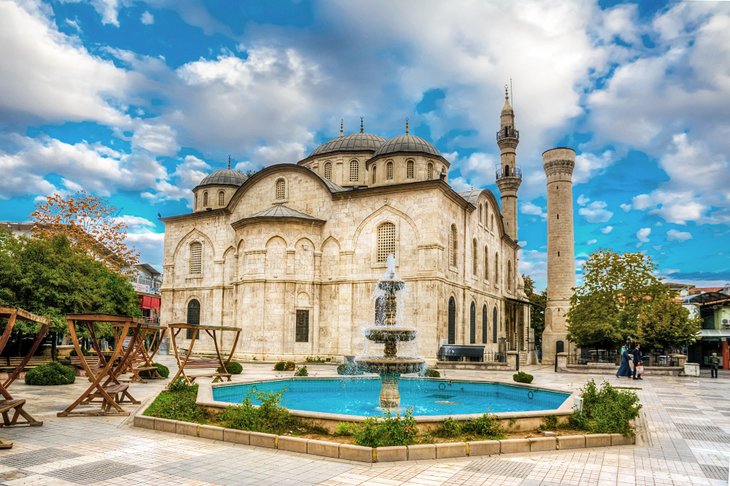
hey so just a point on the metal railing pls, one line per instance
(516, 173)
(495, 357)
(508, 132)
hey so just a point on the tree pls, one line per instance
(616, 287)
(666, 325)
(537, 309)
(51, 277)
(89, 222)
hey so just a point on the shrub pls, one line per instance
(316, 359)
(233, 368)
(284, 366)
(52, 373)
(302, 371)
(449, 428)
(486, 426)
(387, 430)
(431, 373)
(163, 370)
(522, 377)
(606, 410)
(345, 429)
(349, 369)
(178, 403)
(269, 416)
(550, 422)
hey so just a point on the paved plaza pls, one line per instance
(683, 439)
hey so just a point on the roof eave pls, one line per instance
(279, 219)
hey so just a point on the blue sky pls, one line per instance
(136, 101)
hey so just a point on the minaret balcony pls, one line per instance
(508, 132)
(509, 172)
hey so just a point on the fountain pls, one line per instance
(388, 332)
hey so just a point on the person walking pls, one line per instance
(636, 353)
(714, 364)
(625, 368)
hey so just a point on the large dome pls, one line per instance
(407, 143)
(225, 177)
(355, 142)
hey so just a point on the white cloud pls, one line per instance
(158, 139)
(588, 165)
(643, 235)
(625, 207)
(673, 207)
(606, 229)
(476, 170)
(147, 18)
(179, 185)
(591, 242)
(532, 209)
(582, 200)
(675, 235)
(534, 264)
(596, 212)
(149, 244)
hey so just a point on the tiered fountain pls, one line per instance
(387, 331)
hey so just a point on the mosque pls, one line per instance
(291, 254)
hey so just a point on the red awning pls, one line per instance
(149, 302)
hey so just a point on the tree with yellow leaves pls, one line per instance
(90, 223)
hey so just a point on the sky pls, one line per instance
(136, 101)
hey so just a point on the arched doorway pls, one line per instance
(452, 321)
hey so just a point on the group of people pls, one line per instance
(631, 365)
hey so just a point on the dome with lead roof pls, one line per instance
(355, 142)
(407, 143)
(225, 177)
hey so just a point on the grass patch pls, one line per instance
(178, 403)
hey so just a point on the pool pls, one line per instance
(359, 396)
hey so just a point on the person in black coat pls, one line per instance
(637, 359)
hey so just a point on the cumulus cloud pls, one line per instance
(606, 229)
(588, 165)
(582, 200)
(675, 235)
(534, 264)
(643, 235)
(591, 242)
(159, 139)
(179, 185)
(147, 18)
(533, 209)
(596, 212)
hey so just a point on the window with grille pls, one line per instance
(221, 198)
(473, 324)
(375, 172)
(386, 241)
(328, 171)
(280, 189)
(486, 263)
(484, 325)
(389, 170)
(196, 257)
(452, 321)
(496, 269)
(302, 326)
(409, 169)
(495, 325)
(474, 260)
(452, 246)
(205, 199)
(354, 171)
(429, 171)
(193, 317)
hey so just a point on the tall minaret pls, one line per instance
(509, 176)
(558, 164)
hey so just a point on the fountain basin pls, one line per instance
(384, 334)
(381, 364)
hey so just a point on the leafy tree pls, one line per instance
(537, 309)
(665, 324)
(51, 277)
(616, 287)
(90, 223)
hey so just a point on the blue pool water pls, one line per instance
(350, 396)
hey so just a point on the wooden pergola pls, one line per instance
(216, 366)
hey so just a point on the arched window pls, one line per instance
(509, 275)
(386, 241)
(205, 199)
(328, 171)
(409, 169)
(474, 264)
(494, 325)
(481, 211)
(280, 189)
(354, 171)
(429, 171)
(389, 170)
(486, 263)
(496, 269)
(452, 246)
(486, 215)
(221, 198)
(452, 321)
(473, 323)
(375, 172)
(193, 316)
(484, 324)
(196, 257)
(196, 202)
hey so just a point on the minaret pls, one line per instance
(509, 176)
(558, 164)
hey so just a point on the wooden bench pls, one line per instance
(204, 364)
(93, 361)
(16, 404)
(9, 363)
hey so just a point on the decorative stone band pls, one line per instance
(508, 184)
(559, 161)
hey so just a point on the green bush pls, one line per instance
(269, 416)
(345, 429)
(178, 403)
(550, 422)
(317, 359)
(449, 428)
(349, 369)
(606, 410)
(387, 430)
(302, 371)
(73, 352)
(522, 377)
(284, 366)
(163, 370)
(431, 373)
(53, 373)
(486, 426)
(233, 368)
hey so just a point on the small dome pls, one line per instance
(407, 143)
(355, 142)
(225, 177)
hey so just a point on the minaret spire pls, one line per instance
(362, 124)
(406, 126)
(342, 127)
(229, 162)
(509, 176)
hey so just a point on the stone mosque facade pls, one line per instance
(291, 254)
